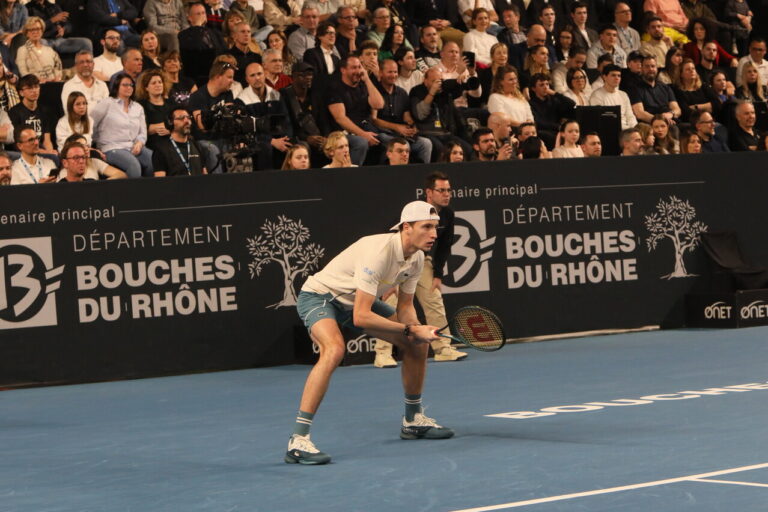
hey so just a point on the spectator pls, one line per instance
(583, 36)
(369, 58)
(549, 108)
(394, 39)
(400, 15)
(324, 56)
(276, 40)
(166, 19)
(206, 99)
(75, 120)
(477, 40)
(652, 97)
(577, 87)
(629, 38)
(108, 63)
(576, 60)
(408, 75)
(511, 34)
(669, 12)
(228, 30)
(179, 154)
(536, 63)
(297, 157)
(9, 96)
(398, 151)
(743, 136)
(30, 168)
(120, 129)
(531, 148)
(439, 14)
(501, 125)
(251, 18)
(591, 145)
(395, 117)
(6, 130)
(526, 131)
(757, 58)
(704, 126)
(739, 15)
(214, 14)
(663, 141)
(13, 17)
(700, 32)
(350, 100)
(499, 58)
(452, 153)
(35, 57)
(29, 112)
(466, 10)
(149, 46)
(304, 109)
(152, 94)
(199, 45)
(348, 37)
(5, 169)
(58, 30)
(92, 88)
(484, 144)
(690, 143)
(182, 86)
(273, 70)
(752, 87)
(610, 94)
(690, 94)
(673, 61)
(659, 43)
(707, 64)
(567, 144)
(73, 161)
(381, 23)
(723, 96)
(506, 97)
(95, 167)
(116, 14)
(631, 142)
(241, 50)
(607, 44)
(303, 38)
(337, 150)
(436, 115)
(281, 14)
(428, 54)
(564, 45)
(632, 77)
(547, 18)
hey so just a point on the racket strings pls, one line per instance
(480, 328)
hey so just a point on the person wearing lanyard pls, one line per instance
(30, 168)
(178, 155)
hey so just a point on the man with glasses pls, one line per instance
(74, 158)
(757, 57)
(704, 126)
(348, 37)
(108, 63)
(179, 154)
(29, 112)
(629, 38)
(428, 290)
(30, 168)
(94, 89)
(303, 38)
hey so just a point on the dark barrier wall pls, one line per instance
(148, 277)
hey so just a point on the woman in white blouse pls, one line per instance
(478, 40)
(507, 98)
(75, 120)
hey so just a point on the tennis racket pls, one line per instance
(475, 327)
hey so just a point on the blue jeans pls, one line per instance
(358, 149)
(135, 166)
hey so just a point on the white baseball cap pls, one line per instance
(416, 211)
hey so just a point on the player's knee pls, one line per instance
(333, 352)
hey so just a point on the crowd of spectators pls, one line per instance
(138, 88)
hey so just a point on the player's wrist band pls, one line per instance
(407, 330)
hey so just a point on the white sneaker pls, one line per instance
(384, 360)
(301, 450)
(449, 354)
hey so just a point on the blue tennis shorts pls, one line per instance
(314, 306)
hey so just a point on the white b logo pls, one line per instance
(27, 282)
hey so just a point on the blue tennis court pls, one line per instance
(663, 421)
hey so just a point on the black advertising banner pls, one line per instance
(150, 277)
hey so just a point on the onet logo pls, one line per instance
(467, 268)
(28, 281)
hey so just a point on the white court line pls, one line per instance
(709, 480)
(610, 490)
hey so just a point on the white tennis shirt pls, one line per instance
(373, 264)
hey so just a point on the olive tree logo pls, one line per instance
(284, 242)
(674, 219)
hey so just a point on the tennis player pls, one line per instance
(345, 293)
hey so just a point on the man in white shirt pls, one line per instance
(94, 89)
(346, 292)
(408, 76)
(610, 94)
(607, 44)
(108, 63)
(31, 168)
(757, 57)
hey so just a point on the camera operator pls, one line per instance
(216, 92)
(271, 125)
(178, 154)
(436, 116)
